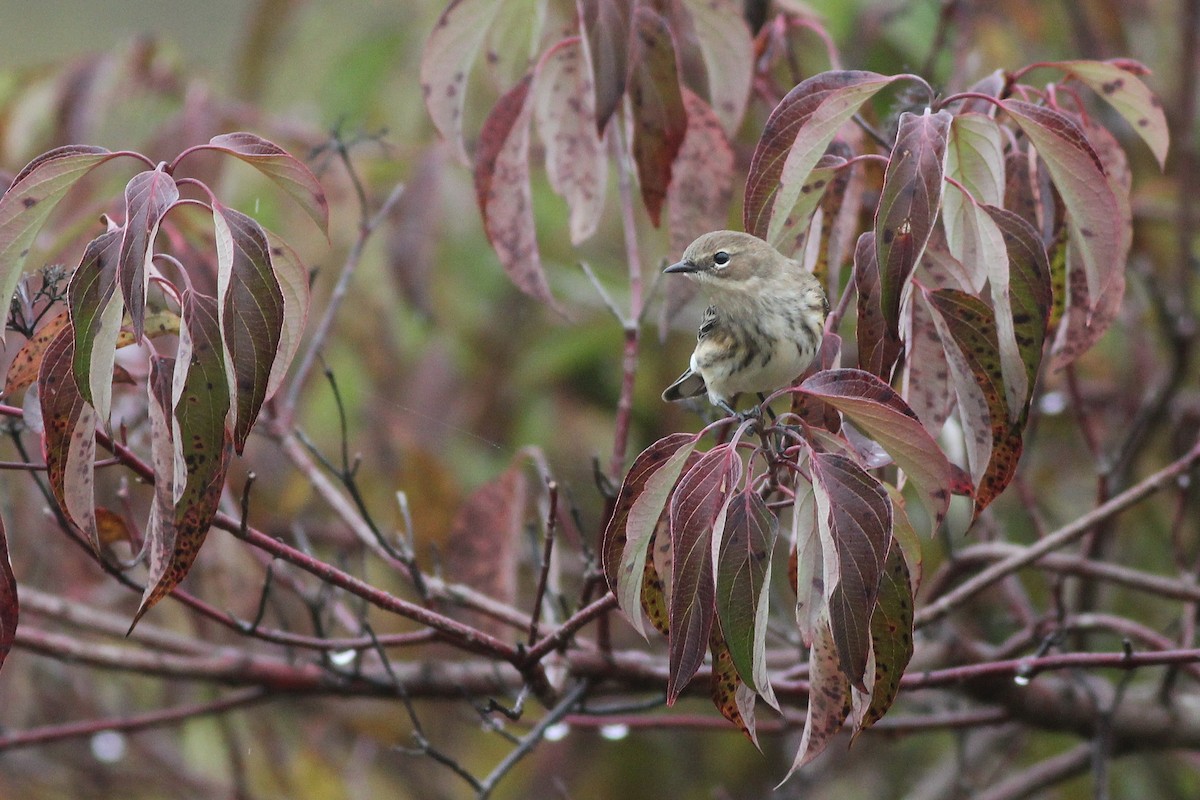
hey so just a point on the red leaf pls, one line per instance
(697, 511)
(503, 192)
(148, 196)
(23, 370)
(251, 313)
(29, 199)
(69, 440)
(9, 607)
(878, 347)
(96, 313)
(908, 206)
(446, 60)
(854, 516)
(1094, 215)
(203, 443)
(793, 141)
(698, 198)
(828, 699)
(639, 505)
(659, 118)
(287, 171)
(606, 32)
(564, 106)
(875, 408)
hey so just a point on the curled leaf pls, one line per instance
(287, 171)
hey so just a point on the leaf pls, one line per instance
(29, 199)
(446, 60)
(891, 637)
(840, 207)
(697, 511)
(655, 587)
(69, 440)
(285, 170)
(297, 296)
(878, 410)
(503, 192)
(9, 607)
(796, 229)
(699, 194)
(878, 347)
(1118, 85)
(23, 371)
(606, 34)
(96, 311)
(854, 517)
(251, 313)
(743, 591)
(728, 52)
(639, 504)
(793, 141)
(974, 158)
(723, 687)
(828, 699)
(485, 535)
(812, 603)
(909, 203)
(1094, 215)
(927, 387)
(905, 536)
(201, 401)
(148, 196)
(660, 119)
(564, 105)
(968, 332)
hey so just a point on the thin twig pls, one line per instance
(547, 552)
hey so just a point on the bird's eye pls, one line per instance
(721, 258)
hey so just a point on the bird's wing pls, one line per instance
(708, 323)
(689, 384)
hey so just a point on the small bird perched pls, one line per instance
(764, 324)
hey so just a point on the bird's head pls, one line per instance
(729, 259)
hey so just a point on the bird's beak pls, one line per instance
(682, 266)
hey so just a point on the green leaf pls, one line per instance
(743, 596)
(698, 508)
(909, 204)
(251, 313)
(28, 201)
(724, 686)
(284, 169)
(294, 287)
(660, 119)
(69, 438)
(974, 158)
(891, 637)
(655, 586)
(200, 399)
(96, 312)
(793, 140)
(639, 505)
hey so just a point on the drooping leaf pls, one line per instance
(854, 517)
(294, 287)
(927, 387)
(639, 505)
(828, 698)
(28, 201)
(878, 347)
(96, 310)
(166, 459)
(503, 192)
(23, 371)
(606, 32)
(148, 195)
(743, 596)
(564, 105)
(200, 398)
(880, 412)
(974, 158)
(697, 513)
(1094, 214)
(905, 535)
(909, 204)
(968, 332)
(793, 140)
(69, 439)
(840, 206)
(660, 119)
(891, 637)
(796, 229)
(1117, 83)
(10, 609)
(728, 53)
(446, 60)
(655, 587)
(251, 312)
(724, 684)
(284, 169)
(702, 184)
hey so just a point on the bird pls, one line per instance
(764, 323)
